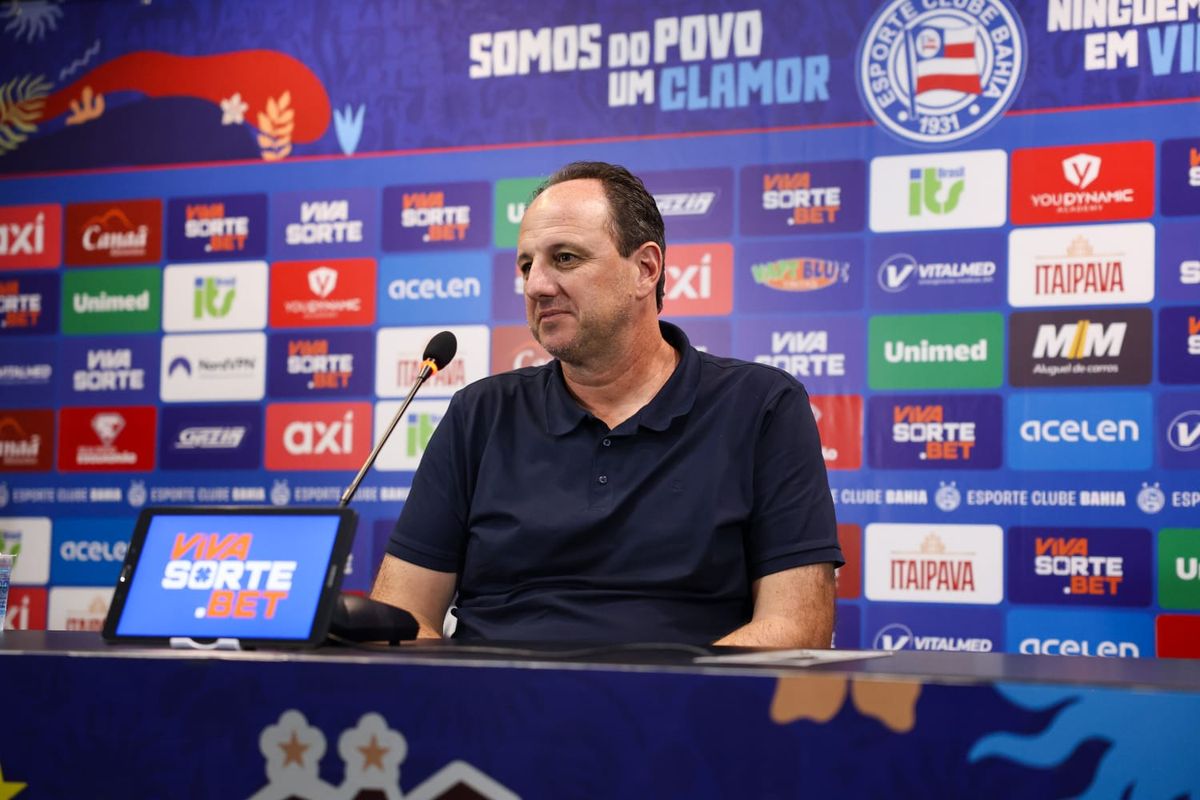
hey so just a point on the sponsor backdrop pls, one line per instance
(227, 231)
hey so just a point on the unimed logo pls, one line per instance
(107, 439)
(317, 436)
(1070, 348)
(114, 232)
(112, 301)
(26, 441)
(305, 294)
(1179, 568)
(1095, 431)
(840, 426)
(1083, 183)
(699, 280)
(30, 236)
(936, 351)
(934, 563)
(1089, 265)
(510, 201)
(1079, 566)
(939, 191)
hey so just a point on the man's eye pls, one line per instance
(524, 269)
(563, 258)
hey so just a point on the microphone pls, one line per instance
(438, 353)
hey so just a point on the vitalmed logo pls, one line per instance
(1179, 568)
(215, 366)
(934, 431)
(1180, 177)
(840, 425)
(215, 297)
(1079, 566)
(514, 347)
(1179, 345)
(510, 200)
(936, 351)
(939, 192)
(27, 540)
(89, 552)
(78, 609)
(407, 444)
(1079, 633)
(205, 228)
(1092, 265)
(28, 371)
(120, 369)
(699, 280)
(438, 287)
(934, 563)
(106, 439)
(26, 441)
(320, 364)
(694, 203)
(116, 232)
(952, 270)
(437, 216)
(317, 436)
(1071, 348)
(398, 360)
(1093, 431)
(28, 303)
(30, 236)
(784, 276)
(112, 301)
(823, 353)
(211, 437)
(1083, 183)
(955, 630)
(324, 224)
(803, 198)
(26, 609)
(1179, 426)
(306, 294)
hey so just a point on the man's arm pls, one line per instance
(792, 608)
(424, 593)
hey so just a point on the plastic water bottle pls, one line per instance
(6, 564)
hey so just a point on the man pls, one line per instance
(634, 489)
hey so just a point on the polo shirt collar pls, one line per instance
(674, 399)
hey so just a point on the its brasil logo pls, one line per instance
(801, 274)
(941, 75)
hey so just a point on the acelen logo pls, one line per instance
(803, 198)
(30, 236)
(215, 297)
(107, 439)
(317, 436)
(115, 232)
(434, 287)
(1093, 431)
(26, 609)
(307, 294)
(26, 441)
(1079, 566)
(205, 228)
(934, 563)
(29, 303)
(514, 347)
(935, 431)
(1090, 265)
(1179, 568)
(1079, 633)
(27, 540)
(942, 191)
(1072, 348)
(840, 425)
(321, 365)
(936, 351)
(89, 552)
(1083, 183)
(699, 280)
(1179, 345)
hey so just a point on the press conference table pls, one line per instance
(447, 720)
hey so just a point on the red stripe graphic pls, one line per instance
(959, 83)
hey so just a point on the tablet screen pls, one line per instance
(244, 576)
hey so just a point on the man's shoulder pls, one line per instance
(506, 386)
(739, 375)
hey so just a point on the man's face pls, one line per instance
(579, 291)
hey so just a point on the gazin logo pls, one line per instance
(943, 74)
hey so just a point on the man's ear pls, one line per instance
(650, 263)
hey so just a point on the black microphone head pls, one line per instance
(441, 349)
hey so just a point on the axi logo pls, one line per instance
(939, 192)
(307, 294)
(106, 439)
(30, 236)
(1066, 348)
(699, 280)
(1100, 431)
(1179, 345)
(226, 296)
(217, 227)
(840, 426)
(1079, 566)
(317, 436)
(936, 351)
(803, 198)
(451, 215)
(1083, 183)
(404, 449)
(26, 609)
(1093, 265)
(29, 303)
(935, 190)
(26, 441)
(118, 232)
(1179, 568)
(935, 432)
(934, 563)
(221, 566)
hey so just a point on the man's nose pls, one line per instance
(539, 281)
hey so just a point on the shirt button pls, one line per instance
(603, 479)
(606, 442)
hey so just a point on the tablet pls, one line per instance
(260, 576)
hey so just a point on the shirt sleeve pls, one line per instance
(431, 531)
(793, 522)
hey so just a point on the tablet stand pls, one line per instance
(185, 643)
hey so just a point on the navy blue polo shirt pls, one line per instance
(561, 529)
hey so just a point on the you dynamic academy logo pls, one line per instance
(941, 75)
